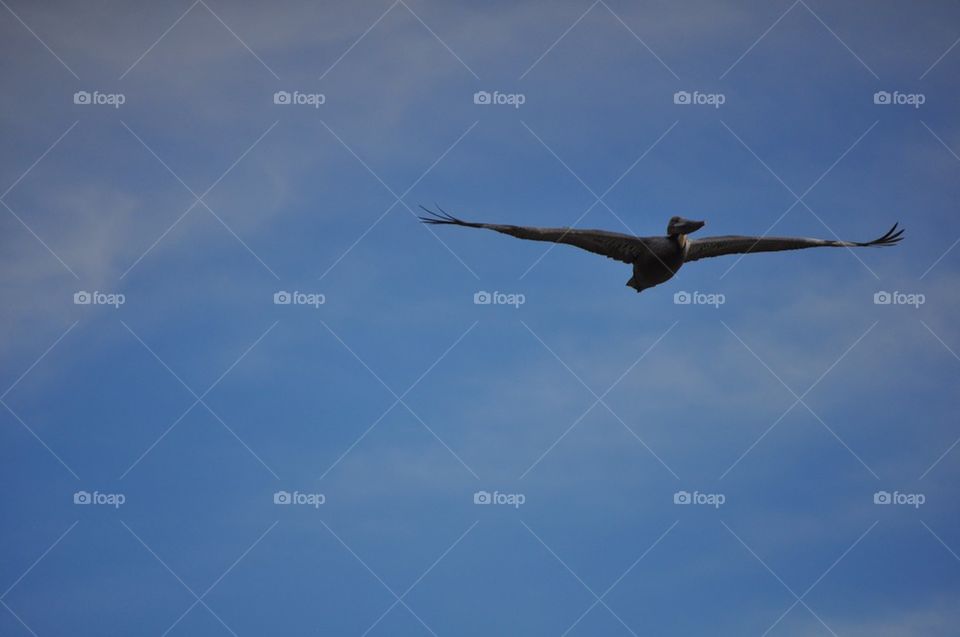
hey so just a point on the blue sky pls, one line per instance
(585, 413)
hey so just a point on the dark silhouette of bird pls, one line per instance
(657, 259)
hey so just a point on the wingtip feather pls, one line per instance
(438, 218)
(893, 236)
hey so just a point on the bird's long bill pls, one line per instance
(688, 226)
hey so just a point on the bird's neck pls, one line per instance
(681, 240)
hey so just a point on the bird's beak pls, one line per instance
(692, 226)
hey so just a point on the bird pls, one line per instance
(656, 260)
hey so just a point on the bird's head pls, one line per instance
(679, 225)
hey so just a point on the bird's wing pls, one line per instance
(718, 246)
(622, 247)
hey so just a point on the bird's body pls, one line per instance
(658, 264)
(657, 259)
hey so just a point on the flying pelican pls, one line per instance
(657, 259)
